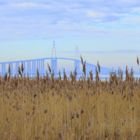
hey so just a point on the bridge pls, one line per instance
(31, 66)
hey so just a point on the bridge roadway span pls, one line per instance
(31, 66)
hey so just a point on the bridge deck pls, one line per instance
(31, 66)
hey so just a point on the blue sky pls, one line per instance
(103, 30)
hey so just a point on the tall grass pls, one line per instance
(63, 108)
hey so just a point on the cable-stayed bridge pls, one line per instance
(31, 66)
(41, 64)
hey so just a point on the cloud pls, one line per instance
(95, 14)
(39, 18)
(29, 5)
(99, 16)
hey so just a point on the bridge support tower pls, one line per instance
(54, 60)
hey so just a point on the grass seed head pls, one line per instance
(138, 61)
(37, 74)
(49, 68)
(99, 67)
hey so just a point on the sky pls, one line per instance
(107, 31)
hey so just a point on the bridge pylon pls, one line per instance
(54, 60)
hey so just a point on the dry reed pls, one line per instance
(49, 108)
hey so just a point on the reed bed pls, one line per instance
(46, 108)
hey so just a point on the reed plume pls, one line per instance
(64, 75)
(37, 74)
(49, 68)
(22, 68)
(19, 71)
(9, 71)
(97, 75)
(59, 77)
(138, 61)
(83, 67)
(127, 73)
(120, 74)
(82, 61)
(99, 67)
(91, 75)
